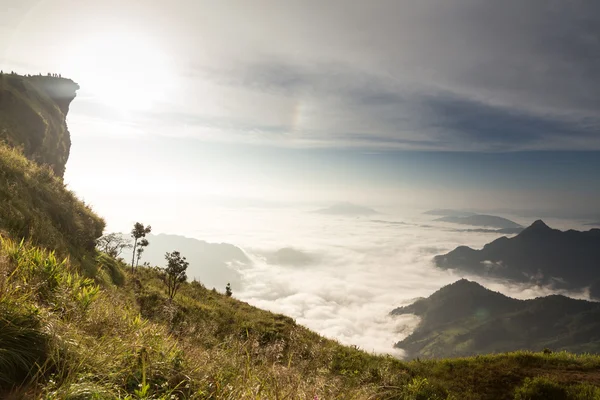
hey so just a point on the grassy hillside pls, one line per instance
(38, 207)
(32, 117)
(63, 336)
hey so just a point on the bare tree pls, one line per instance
(113, 244)
(175, 272)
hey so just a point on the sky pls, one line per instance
(453, 103)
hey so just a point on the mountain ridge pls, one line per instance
(481, 220)
(464, 318)
(539, 254)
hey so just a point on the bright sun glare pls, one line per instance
(125, 71)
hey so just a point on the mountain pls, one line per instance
(481, 220)
(446, 212)
(348, 209)
(33, 112)
(465, 318)
(539, 254)
(210, 263)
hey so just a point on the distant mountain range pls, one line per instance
(348, 209)
(482, 220)
(447, 212)
(209, 262)
(503, 231)
(465, 318)
(539, 254)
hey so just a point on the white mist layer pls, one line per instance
(354, 270)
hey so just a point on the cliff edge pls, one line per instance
(33, 112)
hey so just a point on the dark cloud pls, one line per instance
(486, 75)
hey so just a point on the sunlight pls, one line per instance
(122, 70)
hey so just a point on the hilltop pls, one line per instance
(465, 318)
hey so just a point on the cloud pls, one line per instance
(359, 270)
(451, 75)
(459, 74)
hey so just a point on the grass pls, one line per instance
(64, 336)
(36, 205)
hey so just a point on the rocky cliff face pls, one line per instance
(33, 112)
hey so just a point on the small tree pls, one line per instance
(140, 249)
(139, 231)
(228, 291)
(113, 244)
(175, 272)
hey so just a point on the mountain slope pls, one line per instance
(33, 117)
(131, 341)
(465, 318)
(539, 254)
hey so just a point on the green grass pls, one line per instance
(65, 336)
(37, 206)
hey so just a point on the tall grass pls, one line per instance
(37, 206)
(62, 336)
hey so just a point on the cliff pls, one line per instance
(33, 112)
(34, 142)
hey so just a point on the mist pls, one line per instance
(340, 275)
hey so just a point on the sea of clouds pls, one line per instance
(341, 276)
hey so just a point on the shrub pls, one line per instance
(541, 388)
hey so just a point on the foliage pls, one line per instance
(140, 249)
(228, 291)
(541, 388)
(138, 232)
(175, 272)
